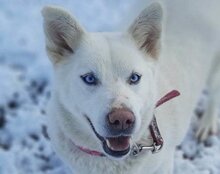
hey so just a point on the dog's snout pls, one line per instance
(121, 119)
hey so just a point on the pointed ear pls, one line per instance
(146, 30)
(62, 31)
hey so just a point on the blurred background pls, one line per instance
(25, 82)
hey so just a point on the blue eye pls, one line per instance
(89, 79)
(134, 79)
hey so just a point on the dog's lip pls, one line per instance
(102, 139)
(110, 147)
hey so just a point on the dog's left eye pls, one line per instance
(134, 79)
(89, 79)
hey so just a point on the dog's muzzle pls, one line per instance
(120, 124)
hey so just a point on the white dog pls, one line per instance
(107, 85)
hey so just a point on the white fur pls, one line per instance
(113, 57)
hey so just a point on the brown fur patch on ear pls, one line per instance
(59, 39)
(63, 33)
(146, 30)
(152, 44)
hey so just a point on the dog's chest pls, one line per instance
(96, 165)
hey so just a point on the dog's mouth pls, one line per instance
(117, 146)
(113, 146)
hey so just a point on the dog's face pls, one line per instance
(105, 80)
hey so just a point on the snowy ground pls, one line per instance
(25, 75)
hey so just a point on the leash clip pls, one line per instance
(139, 148)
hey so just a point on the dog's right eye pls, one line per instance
(89, 79)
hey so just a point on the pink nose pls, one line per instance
(121, 119)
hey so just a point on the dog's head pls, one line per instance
(106, 81)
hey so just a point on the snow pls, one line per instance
(25, 74)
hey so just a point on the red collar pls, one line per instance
(154, 130)
(91, 152)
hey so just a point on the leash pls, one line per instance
(154, 130)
